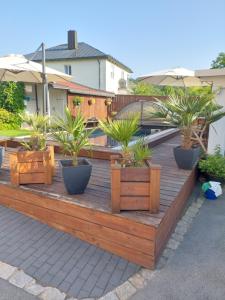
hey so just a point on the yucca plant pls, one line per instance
(38, 124)
(122, 131)
(70, 132)
(183, 111)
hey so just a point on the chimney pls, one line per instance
(72, 40)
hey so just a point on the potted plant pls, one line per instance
(72, 136)
(184, 111)
(91, 101)
(108, 101)
(33, 162)
(77, 100)
(212, 166)
(114, 113)
(135, 183)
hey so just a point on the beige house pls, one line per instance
(216, 77)
(87, 65)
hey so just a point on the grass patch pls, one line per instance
(15, 132)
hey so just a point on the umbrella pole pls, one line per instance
(46, 101)
(36, 99)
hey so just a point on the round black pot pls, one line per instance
(186, 159)
(1, 155)
(77, 177)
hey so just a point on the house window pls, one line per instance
(122, 75)
(68, 69)
(112, 71)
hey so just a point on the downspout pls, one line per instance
(99, 73)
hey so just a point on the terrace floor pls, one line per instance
(138, 237)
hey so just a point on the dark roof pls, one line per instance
(61, 52)
(77, 88)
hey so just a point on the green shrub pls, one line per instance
(213, 165)
(9, 120)
(12, 96)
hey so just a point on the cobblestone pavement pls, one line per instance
(57, 259)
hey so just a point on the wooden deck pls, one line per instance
(137, 236)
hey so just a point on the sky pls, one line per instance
(146, 35)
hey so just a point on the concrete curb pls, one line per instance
(136, 282)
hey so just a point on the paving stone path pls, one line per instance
(196, 270)
(57, 259)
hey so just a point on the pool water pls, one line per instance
(99, 138)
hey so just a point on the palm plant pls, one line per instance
(212, 113)
(141, 153)
(184, 111)
(71, 134)
(38, 125)
(122, 131)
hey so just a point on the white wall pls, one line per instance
(85, 71)
(112, 84)
(217, 129)
(58, 101)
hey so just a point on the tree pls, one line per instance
(12, 96)
(219, 62)
(141, 88)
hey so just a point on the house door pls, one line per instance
(58, 107)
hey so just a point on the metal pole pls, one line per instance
(46, 102)
(36, 99)
(43, 76)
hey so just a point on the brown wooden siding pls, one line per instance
(97, 110)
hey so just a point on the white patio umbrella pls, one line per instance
(19, 69)
(180, 77)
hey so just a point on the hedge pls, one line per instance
(9, 120)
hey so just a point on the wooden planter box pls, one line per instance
(32, 166)
(134, 188)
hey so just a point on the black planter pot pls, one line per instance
(76, 178)
(1, 155)
(186, 159)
